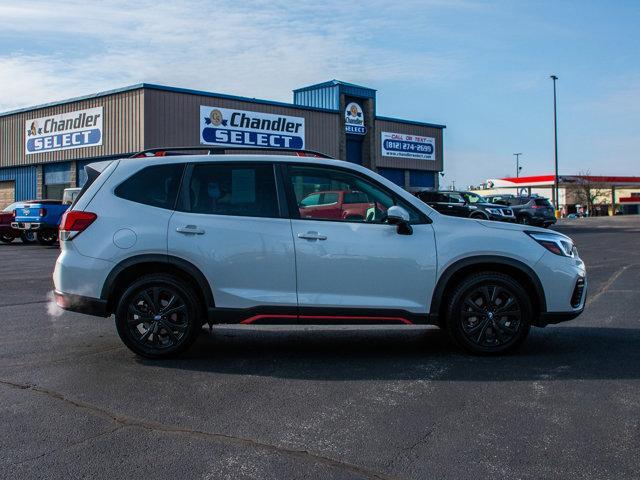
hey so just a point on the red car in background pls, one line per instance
(9, 234)
(340, 205)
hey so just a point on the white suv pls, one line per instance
(169, 243)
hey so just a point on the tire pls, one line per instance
(7, 237)
(473, 321)
(28, 237)
(524, 220)
(47, 237)
(479, 216)
(142, 321)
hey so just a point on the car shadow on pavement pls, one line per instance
(554, 353)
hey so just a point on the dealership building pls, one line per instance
(43, 149)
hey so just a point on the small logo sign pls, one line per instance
(354, 119)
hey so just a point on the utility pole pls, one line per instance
(517, 155)
(555, 144)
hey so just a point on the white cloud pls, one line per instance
(248, 48)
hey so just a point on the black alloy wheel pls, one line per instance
(7, 237)
(47, 237)
(28, 237)
(158, 317)
(524, 220)
(489, 313)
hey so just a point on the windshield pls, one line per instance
(472, 197)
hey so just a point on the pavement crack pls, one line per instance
(126, 421)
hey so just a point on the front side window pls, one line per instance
(472, 197)
(362, 200)
(233, 189)
(455, 198)
(156, 185)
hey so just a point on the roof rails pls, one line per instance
(216, 150)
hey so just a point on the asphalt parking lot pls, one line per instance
(333, 403)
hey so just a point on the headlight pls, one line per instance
(494, 211)
(555, 243)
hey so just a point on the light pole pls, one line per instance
(555, 144)
(517, 155)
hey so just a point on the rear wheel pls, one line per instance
(47, 237)
(28, 237)
(524, 220)
(7, 237)
(158, 316)
(489, 313)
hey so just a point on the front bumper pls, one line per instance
(80, 304)
(502, 218)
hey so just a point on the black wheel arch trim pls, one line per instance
(187, 267)
(451, 270)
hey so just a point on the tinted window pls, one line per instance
(232, 189)
(372, 201)
(313, 199)
(329, 198)
(542, 202)
(427, 196)
(355, 197)
(156, 185)
(455, 198)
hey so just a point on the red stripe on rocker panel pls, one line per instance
(256, 318)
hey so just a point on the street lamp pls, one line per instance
(555, 143)
(518, 168)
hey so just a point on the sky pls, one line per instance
(480, 68)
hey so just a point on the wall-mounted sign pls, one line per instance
(408, 146)
(82, 128)
(354, 119)
(229, 127)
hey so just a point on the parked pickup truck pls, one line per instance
(42, 217)
(7, 233)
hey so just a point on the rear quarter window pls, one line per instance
(542, 202)
(156, 185)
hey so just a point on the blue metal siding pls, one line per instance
(420, 178)
(395, 175)
(25, 178)
(56, 173)
(325, 97)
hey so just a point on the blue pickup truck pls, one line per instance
(41, 217)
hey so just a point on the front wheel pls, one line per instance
(7, 237)
(158, 316)
(28, 237)
(47, 237)
(489, 313)
(524, 220)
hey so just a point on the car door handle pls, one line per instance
(312, 236)
(193, 229)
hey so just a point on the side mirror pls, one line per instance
(400, 217)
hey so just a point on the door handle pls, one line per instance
(193, 229)
(312, 236)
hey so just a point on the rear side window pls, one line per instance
(156, 185)
(356, 197)
(542, 202)
(232, 189)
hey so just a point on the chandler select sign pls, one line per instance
(230, 127)
(82, 128)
